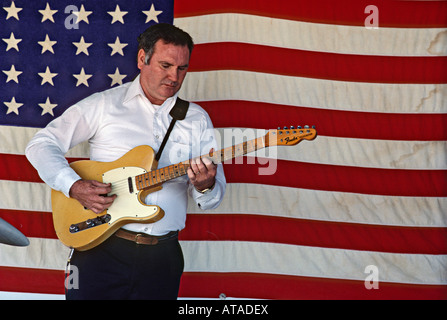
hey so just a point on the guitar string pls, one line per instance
(159, 176)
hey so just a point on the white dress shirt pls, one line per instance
(115, 121)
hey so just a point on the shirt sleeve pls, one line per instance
(46, 150)
(212, 199)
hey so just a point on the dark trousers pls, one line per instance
(120, 269)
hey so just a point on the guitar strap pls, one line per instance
(178, 112)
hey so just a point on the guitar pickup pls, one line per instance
(129, 181)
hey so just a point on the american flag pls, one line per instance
(358, 213)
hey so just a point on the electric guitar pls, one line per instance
(133, 177)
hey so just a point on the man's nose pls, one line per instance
(173, 74)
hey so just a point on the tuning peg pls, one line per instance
(292, 127)
(313, 127)
(299, 127)
(306, 127)
(279, 128)
(285, 128)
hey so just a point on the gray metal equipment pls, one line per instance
(10, 235)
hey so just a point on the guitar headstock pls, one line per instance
(290, 136)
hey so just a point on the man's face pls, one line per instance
(163, 76)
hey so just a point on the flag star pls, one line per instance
(12, 74)
(47, 13)
(13, 106)
(82, 46)
(152, 14)
(82, 15)
(117, 47)
(82, 78)
(47, 107)
(47, 44)
(117, 78)
(12, 42)
(13, 11)
(117, 15)
(47, 76)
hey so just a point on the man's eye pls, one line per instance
(165, 66)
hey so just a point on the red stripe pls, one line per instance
(294, 174)
(389, 182)
(244, 285)
(17, 168)
(270, 286)
(32, 280)
(243, 227)
(321, 65)
(333, 123)
(31, 223)
(411, 14)
(352, 236)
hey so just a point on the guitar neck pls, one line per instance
(159, 176)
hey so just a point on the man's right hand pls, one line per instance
(90, 194)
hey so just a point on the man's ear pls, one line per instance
(140, 58)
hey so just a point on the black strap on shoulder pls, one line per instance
(178, 112)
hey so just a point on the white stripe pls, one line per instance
(40, 254)
(233, 27)
(317, 93)
(4, 295)
(278, 201)
(15, 139)
(257, 257)
(241, 256)
(28, 196)
(325, 150)
(330, 206)
(390, 154)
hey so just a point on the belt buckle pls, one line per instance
(149, 239)
(137, 238)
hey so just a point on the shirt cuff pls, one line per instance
(208, 200)
(65, 180)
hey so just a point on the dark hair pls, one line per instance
(168, 33)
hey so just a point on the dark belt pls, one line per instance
(143, 238)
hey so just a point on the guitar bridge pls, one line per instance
(90, 223)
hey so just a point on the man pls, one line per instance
(114, 122)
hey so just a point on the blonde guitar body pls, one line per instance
(83, 229)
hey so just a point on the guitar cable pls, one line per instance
(67, 270)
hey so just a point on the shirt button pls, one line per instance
(157, 137)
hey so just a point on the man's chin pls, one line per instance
(168, 92)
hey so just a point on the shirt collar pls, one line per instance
(135, 90)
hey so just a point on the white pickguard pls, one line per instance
(126, 204)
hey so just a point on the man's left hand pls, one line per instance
(202, 173)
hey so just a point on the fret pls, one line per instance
(166, 174)
(154, 177)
